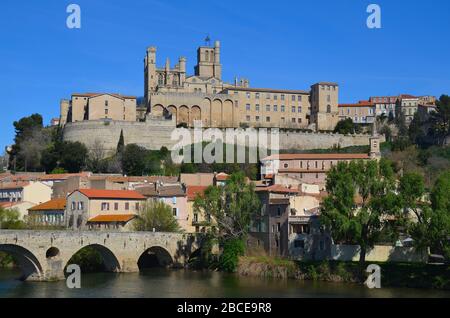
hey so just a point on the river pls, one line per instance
(189, 284)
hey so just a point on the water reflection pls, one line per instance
(187, 284)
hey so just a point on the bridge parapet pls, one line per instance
(43, 255)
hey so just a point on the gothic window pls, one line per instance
(175, 80)
(161, 79)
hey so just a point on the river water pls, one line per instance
(189, 284)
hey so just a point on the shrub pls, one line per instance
(229, 259)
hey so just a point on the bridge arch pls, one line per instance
(155, 256)
(110, 261)
(28, 263)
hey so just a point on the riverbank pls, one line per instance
(410, 275)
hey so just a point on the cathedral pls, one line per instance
(204, 98)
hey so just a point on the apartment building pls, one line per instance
(363, 112)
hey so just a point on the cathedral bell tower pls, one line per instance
(208, 60)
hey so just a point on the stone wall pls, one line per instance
(379, 253)
(155, 133)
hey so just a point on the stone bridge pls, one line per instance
(43, 255)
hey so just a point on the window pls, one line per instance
(282, 96)
(293, 98)
(257, 107)
(127, 206)
(257, 118)
(328, 98)
(80, 205)
(174, 200)
(275, 108)
(268, 96)
(293, 109)
(72, 206)
(328, 108)
(267, 108)
(116, 206)
(299, 120)
(175, 212)
(106, 103)
(247, 118)
(299, 98)
(285, 165)
(257, 95)
(105, 206)
(275, 97)
(293, 120)
(278, 227)
(282, 108)
(299, 109)
(137, 206)
(268, 119)
(248, 95)
(247, 107)
(279, 211)
(195, 217)
(106, 111)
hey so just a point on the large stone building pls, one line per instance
(170, 93)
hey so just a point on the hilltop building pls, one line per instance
(170, 93)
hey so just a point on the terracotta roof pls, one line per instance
(267, 90)
(161, 191)
(299, 170)
(9, 204)
(268, 176)
(222, 176)
(55, 204)
(305, 156)
(276, 188)
(112, 218)
(361, 103)
(192, 191)
(406, 96)
(90, 95)
(63, 176)
(111, 194)
(13, 185)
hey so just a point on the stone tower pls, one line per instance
(208, 61)
(324, 105)
(150, 78)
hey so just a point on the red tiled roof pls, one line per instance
(55, 204)
(111, 194)
(222, 176)
(9, 204)
(13, 185)
(112, 218)
(192, 191)
(311, 156)
(361, 103)
(62, 176)
(276, 188)
(406, 96)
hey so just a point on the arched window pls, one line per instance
(160, 79)
(175, 80)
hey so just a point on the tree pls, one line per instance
(133, 160)
(10, 219)
(432, 228)
(411, 190)
(95, 162)
(231, 206)
(121, 143)
(24, 129)
(346, 126)
(351, 222)
(441, 119)
(73, 156)
(158, 216)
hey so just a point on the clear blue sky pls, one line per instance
(278, 44)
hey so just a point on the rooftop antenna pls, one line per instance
(207, 41)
